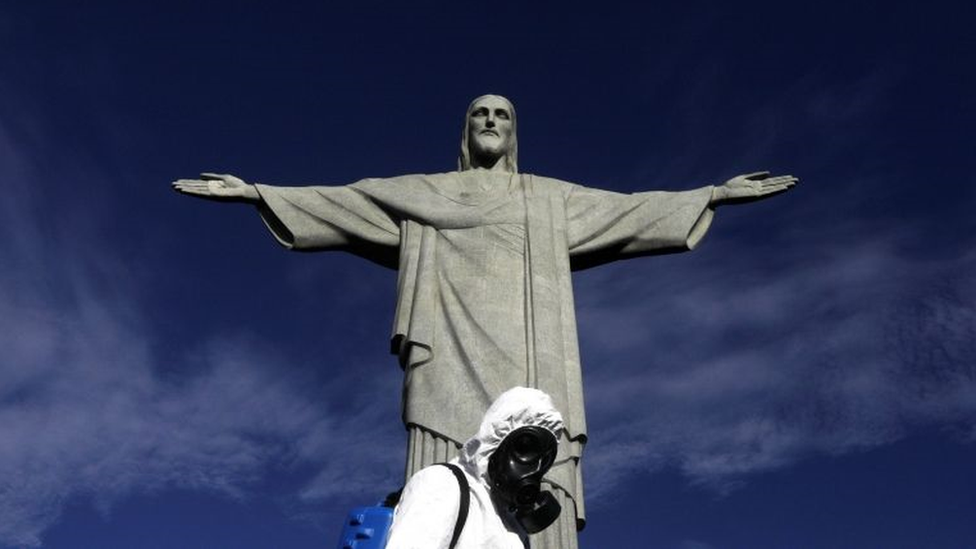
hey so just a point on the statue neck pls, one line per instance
(499, 164)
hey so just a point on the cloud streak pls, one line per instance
(728, 366)
(88, 410)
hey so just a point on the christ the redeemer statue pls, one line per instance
(484, 255)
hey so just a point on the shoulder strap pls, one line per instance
(465, 501)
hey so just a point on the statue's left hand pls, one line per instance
(751, 187)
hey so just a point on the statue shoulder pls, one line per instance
(408, 180)
(548, 180)
(550, 184)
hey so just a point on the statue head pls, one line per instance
(489, 138)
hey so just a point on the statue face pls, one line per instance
(490, 128)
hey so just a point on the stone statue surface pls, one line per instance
(484, 258)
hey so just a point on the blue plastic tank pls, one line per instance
(366, 528)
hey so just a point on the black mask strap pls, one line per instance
(462, 515)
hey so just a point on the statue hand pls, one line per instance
(751, 187)
(220, 187)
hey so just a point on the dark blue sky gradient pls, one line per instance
(171, 377)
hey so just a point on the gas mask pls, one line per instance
(515, 470)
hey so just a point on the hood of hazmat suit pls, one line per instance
(428, 508)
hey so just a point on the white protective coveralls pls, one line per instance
(428, 508)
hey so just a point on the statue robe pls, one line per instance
(485, 299)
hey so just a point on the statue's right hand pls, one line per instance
(216, 186)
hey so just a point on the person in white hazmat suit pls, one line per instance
(502, 465)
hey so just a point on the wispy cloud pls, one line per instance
(728, 365)
(86, 410)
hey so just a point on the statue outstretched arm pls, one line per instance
(750, 187)
(309, 218)
(218, 187)
(604, 226)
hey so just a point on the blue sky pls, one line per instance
(171, 377)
